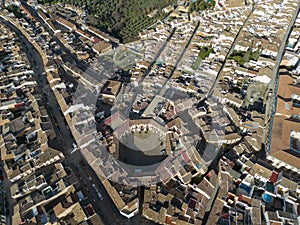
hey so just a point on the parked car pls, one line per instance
(3, 219)
(99, 195)
(74, 146)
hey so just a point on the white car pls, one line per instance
(74, 146)
(3, 219)
(100, 196)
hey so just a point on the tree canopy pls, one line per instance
(123, 19)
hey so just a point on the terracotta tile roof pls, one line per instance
(283, 124)
(274, 177)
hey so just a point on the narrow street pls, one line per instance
(273, 86)
(211, 119)
(139, 91)
(162, 90)
(51, 105)
(105, 208)
(10, 202)
(213, 88)
(80, 64)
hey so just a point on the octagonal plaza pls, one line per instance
(141, 142)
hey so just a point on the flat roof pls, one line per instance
(283, 124)
(111, 87)
(101, 46)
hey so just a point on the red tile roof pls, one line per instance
(185, 157)
(274, 177)
(168, 219)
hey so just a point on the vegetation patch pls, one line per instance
(48, 2)
(3, 54)
(201, 5)
(204, 52)
(123, 19)
(241, 57)
(197, 179)
(15, 9)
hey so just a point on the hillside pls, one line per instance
(121, 18)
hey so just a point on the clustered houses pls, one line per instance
(160, 87)
(43, 190)
(284, 146)
(242, 191)
(208, 48)
(162, 109)
(96, 154)
(189, 63)
(37, 35)
(179, 203)
(242, 88)
(26, 127)
(249, 191)
(84, 41)
(245, 83)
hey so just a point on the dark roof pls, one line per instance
(274, 177)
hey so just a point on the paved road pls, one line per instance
(162, 90)
(37, 66)
(140, 90)
(273, 86)
(9, 201)
(211, 91)
(105, 208)
(81, 64)
(51, 105)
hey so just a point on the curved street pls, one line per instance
(105, 208)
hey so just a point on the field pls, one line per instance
(201, 5)
(123, 19)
